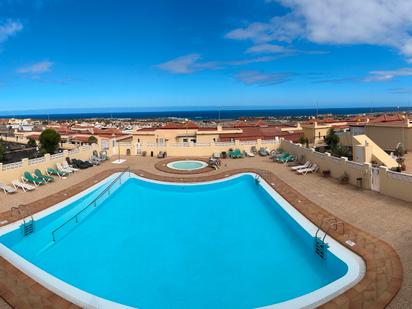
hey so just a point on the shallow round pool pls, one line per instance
(187, 165)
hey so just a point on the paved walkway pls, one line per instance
(383, 217)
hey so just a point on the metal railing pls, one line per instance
(92, 203)
(11, 166)
(37, 160)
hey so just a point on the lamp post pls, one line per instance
(118, 148)
(118, 152)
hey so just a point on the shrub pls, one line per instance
(331, 139)
(31, 142)
(341, 151)
(92, 140)
(49, 141)
(399, 150)
(2, 151)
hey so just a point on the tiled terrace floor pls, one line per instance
(383, 217)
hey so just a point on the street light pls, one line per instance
(118, 148)
(118, 152)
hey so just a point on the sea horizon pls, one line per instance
(201, 114)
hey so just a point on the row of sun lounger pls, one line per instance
(29, 181)
(306, 168)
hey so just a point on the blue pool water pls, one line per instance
(150, 245)
(187, 165)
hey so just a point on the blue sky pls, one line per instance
(166, 53)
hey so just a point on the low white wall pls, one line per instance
(395, 184)
(326, 162)
(193, 149)
(9, 172)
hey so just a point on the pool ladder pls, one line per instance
(28, 222)
(320, 246)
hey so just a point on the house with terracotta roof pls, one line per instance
(388, 131)
(189, 132)
(315, 131)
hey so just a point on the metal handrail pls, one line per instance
(331, 224)
(76, 216)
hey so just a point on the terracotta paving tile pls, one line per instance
(380, 284)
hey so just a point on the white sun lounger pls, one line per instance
(314, 168)
(249, 154)
(66, 165)
(216, 155)
(24, 186)
(62, 169)
(7, 189)
(299, 167)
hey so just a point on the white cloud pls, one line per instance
(268, 49)
(401, 90)
(375, 22)
(36, 68)
(250, 61)
(8, 29)
(261, 78)
(192, 63)
(186, 64)
(381, 76)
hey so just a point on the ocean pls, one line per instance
(211, 114)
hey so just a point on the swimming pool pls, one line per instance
(233, 243)
(187, 165)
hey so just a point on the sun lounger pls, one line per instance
(249, 154)
(282, 157)
(24, 186)
(299, 167)
(235, 154)
(62, 169)
(94, 160)
(7, 189)
(39, 175)
(314, 168)
(161, 155)
(52, 171)
(29, 177)
(264, 152)
(66, 165)
(79, 163)
(289, 158)
(104, 156)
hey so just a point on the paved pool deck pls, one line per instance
(369, 216)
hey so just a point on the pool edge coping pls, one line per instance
(351, 296)
(162, 166)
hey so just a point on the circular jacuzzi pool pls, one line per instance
(187, 165)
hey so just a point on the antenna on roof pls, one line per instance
(317, 109)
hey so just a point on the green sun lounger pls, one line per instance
(40, 175)
(282, 157)
(237, 153)
(53, 171)
(29, 177)
(289, 158)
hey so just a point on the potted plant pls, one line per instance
(344, 179)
